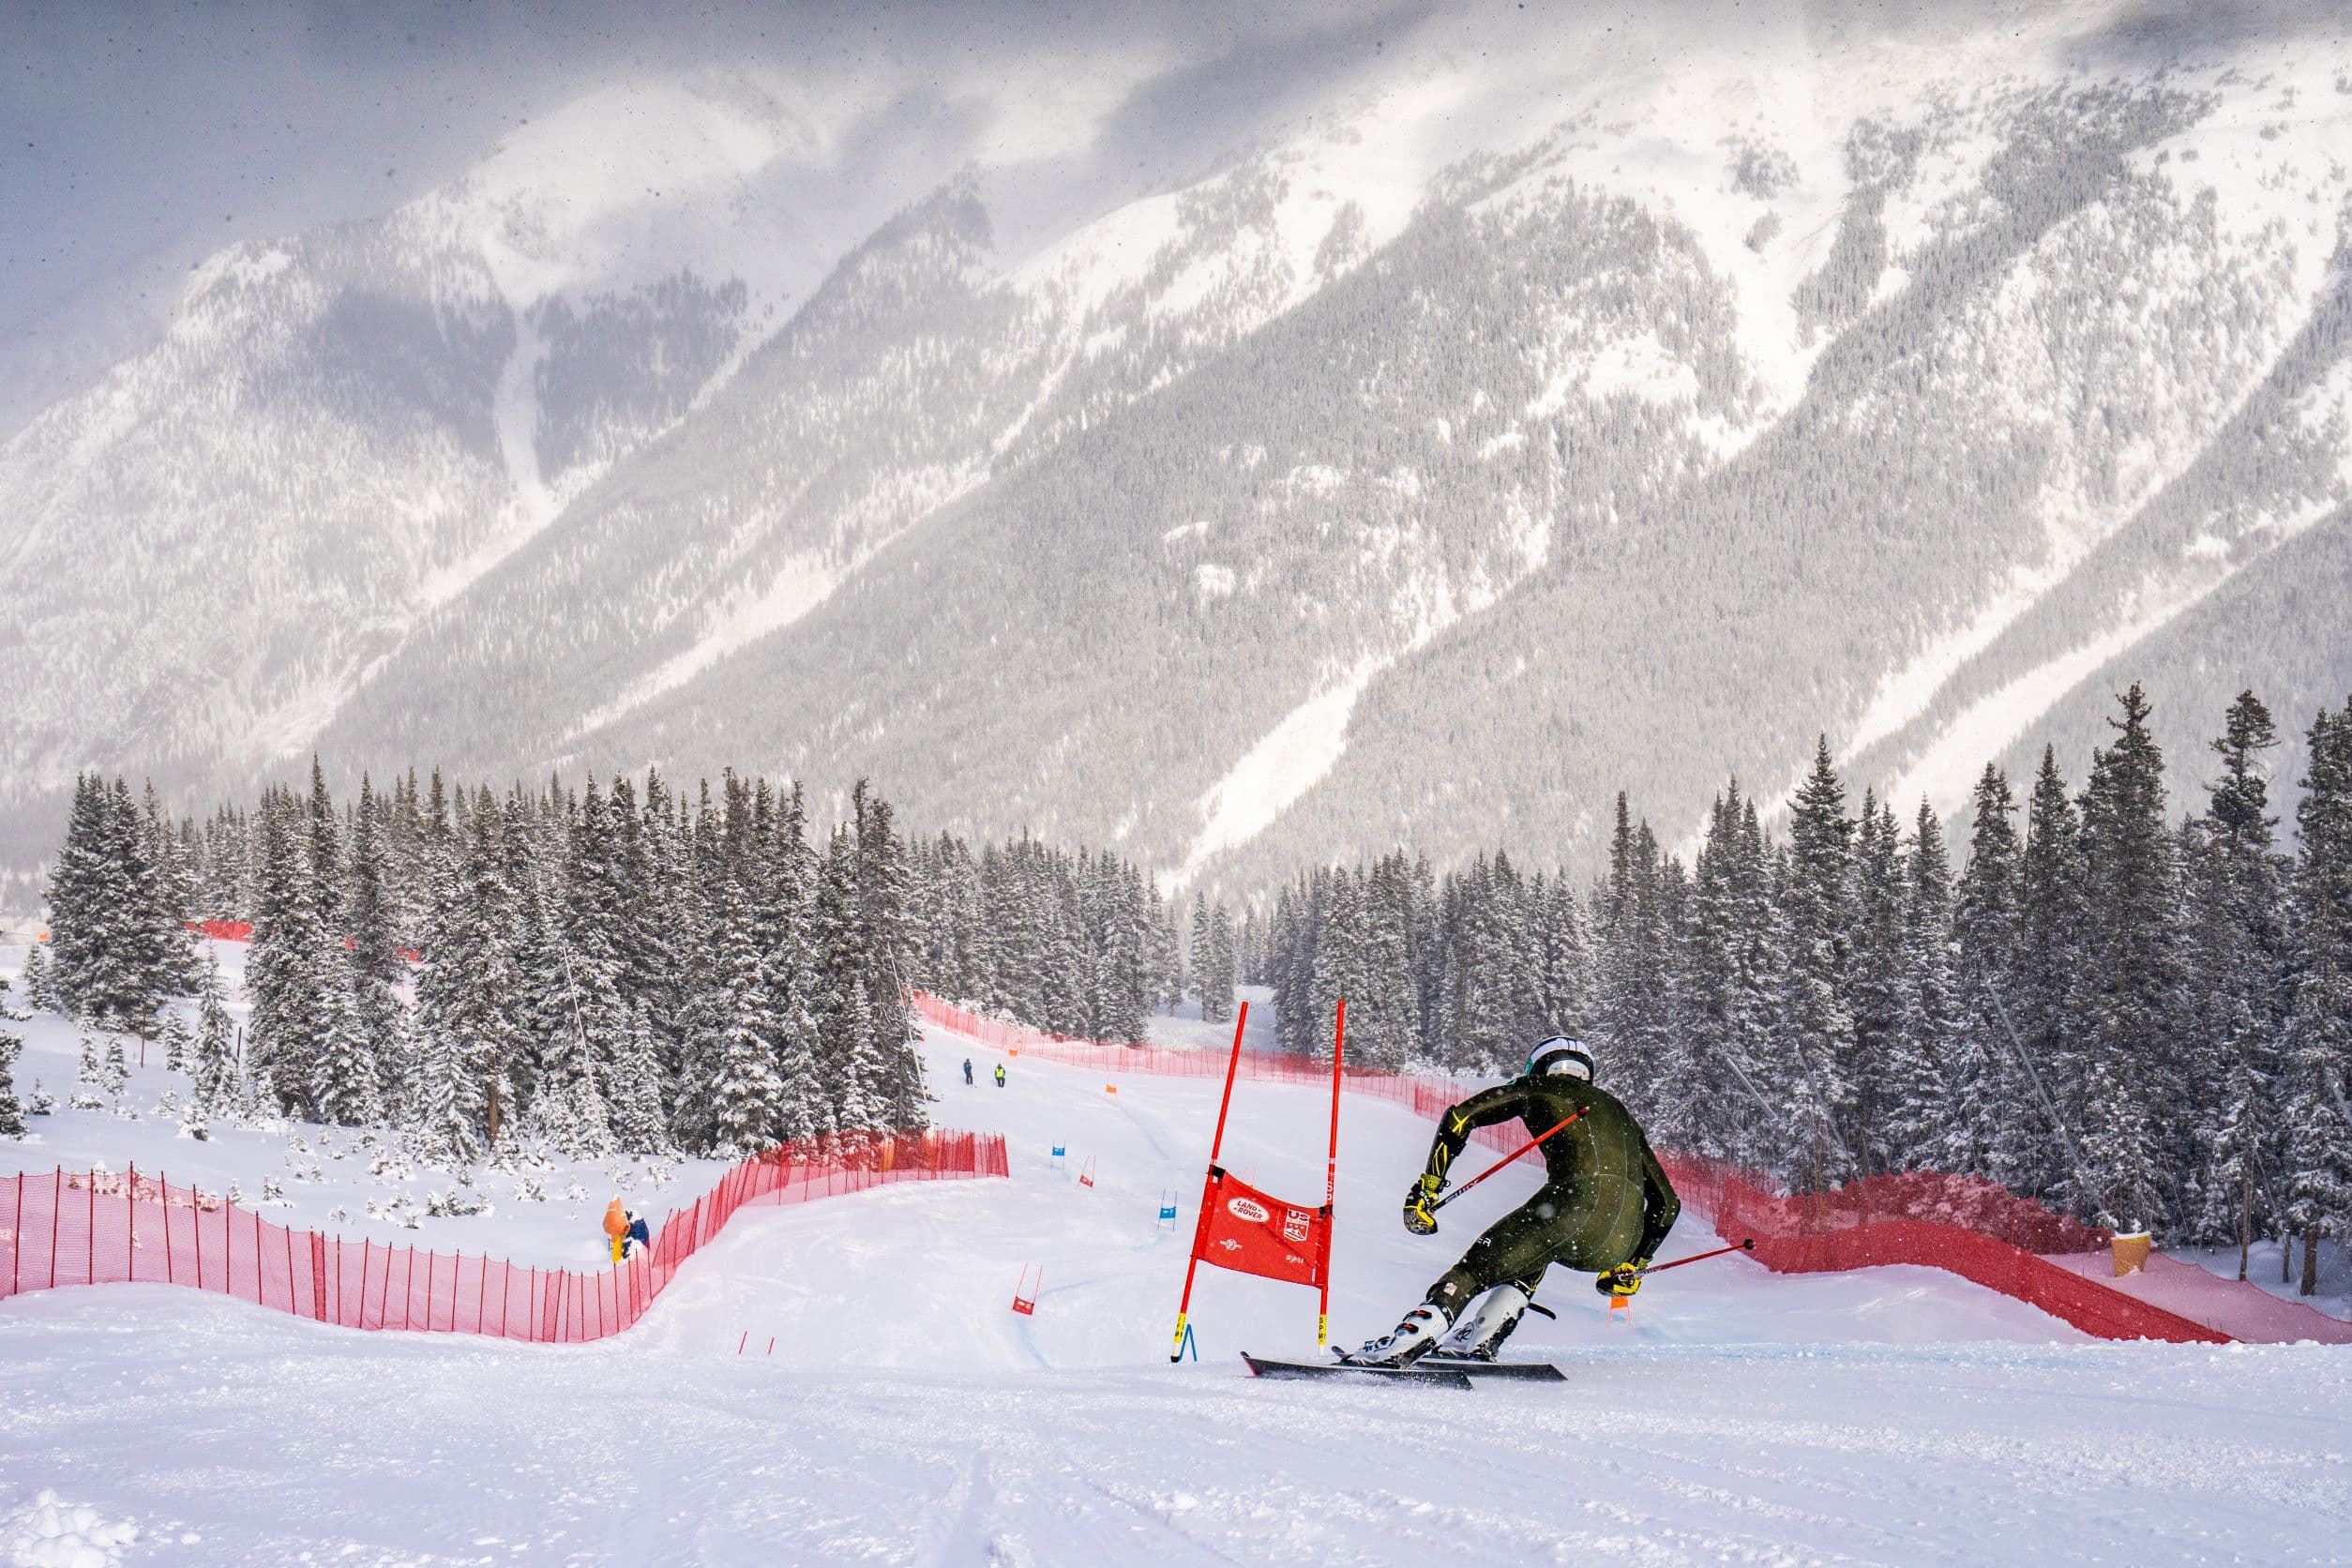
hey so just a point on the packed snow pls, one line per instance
(846, 1380)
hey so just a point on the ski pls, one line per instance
(1446, 1376)
(1533, 1371)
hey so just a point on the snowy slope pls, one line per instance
(906, 1415)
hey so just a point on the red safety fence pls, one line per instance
(1424, 1095)
(74, 1227)
(242, 930)
(1964, 1225)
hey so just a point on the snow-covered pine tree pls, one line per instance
(882, 893)
(1216, 985)
(12, 1111)
(1383, 1012)
(2134, 989)
(851, 1064)
(1695, 1100)
(2318, 1066)
(1819, 1018)
(37, 990)
(218, 1091)
(1878, 969)
(638, 1122)
(1197, 945)
(2235, 930)
(1719, 1075)
(2050, 984)
(374, 966)
(1166, 952)
(176, 1040)
(469, 1023)
(1996, 1123)
(98, 911)
(1929, 1122)
(282, 975)
(1567, 954)
(345, 1089)
(787, 1004)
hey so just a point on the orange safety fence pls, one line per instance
(76, 1228)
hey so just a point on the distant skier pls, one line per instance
(1000, 1074)
(638, 1235)
(1605, 1205)
(967, 1072)
(617, 1227)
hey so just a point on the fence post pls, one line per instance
(163, 1195)
(130, 1223)
(16, 1253)
(89, 1251)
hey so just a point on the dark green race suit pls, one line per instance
(1605, 1202)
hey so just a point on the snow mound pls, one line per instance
(46, 1533)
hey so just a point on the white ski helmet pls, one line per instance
(1561, 1056)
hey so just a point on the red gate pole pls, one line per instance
(1331, 1173)
(1209, 1183)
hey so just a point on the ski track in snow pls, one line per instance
(907, 1416)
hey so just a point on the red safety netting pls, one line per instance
(1964, 1225)
(1425, 1096)
(73, 1227)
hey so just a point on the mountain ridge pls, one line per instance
(1425, 475)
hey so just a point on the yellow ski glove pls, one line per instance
(1622, 1281)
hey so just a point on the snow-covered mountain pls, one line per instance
(1609, 403)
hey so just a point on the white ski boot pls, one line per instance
(1404, 1344)
(1482, 1329)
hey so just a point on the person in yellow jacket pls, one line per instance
(617, 1227)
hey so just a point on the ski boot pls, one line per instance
(1482, 1331)
(1403, 1344)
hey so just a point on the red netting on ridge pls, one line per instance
(72, 1228)
(1425, 1096)
(1964, 1225)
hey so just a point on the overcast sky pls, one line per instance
(141, 136)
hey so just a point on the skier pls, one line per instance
(967, 1072)
(1605, 1205)
(617, 1227)
(1000, 1074)
(638, 1235)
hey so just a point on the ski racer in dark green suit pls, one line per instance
(1605, 1205)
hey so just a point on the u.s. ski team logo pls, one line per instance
(1293, 1226)
(1246, 1208)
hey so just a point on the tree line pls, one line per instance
(2141, 1021)
(579, 970)
(584, 969)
